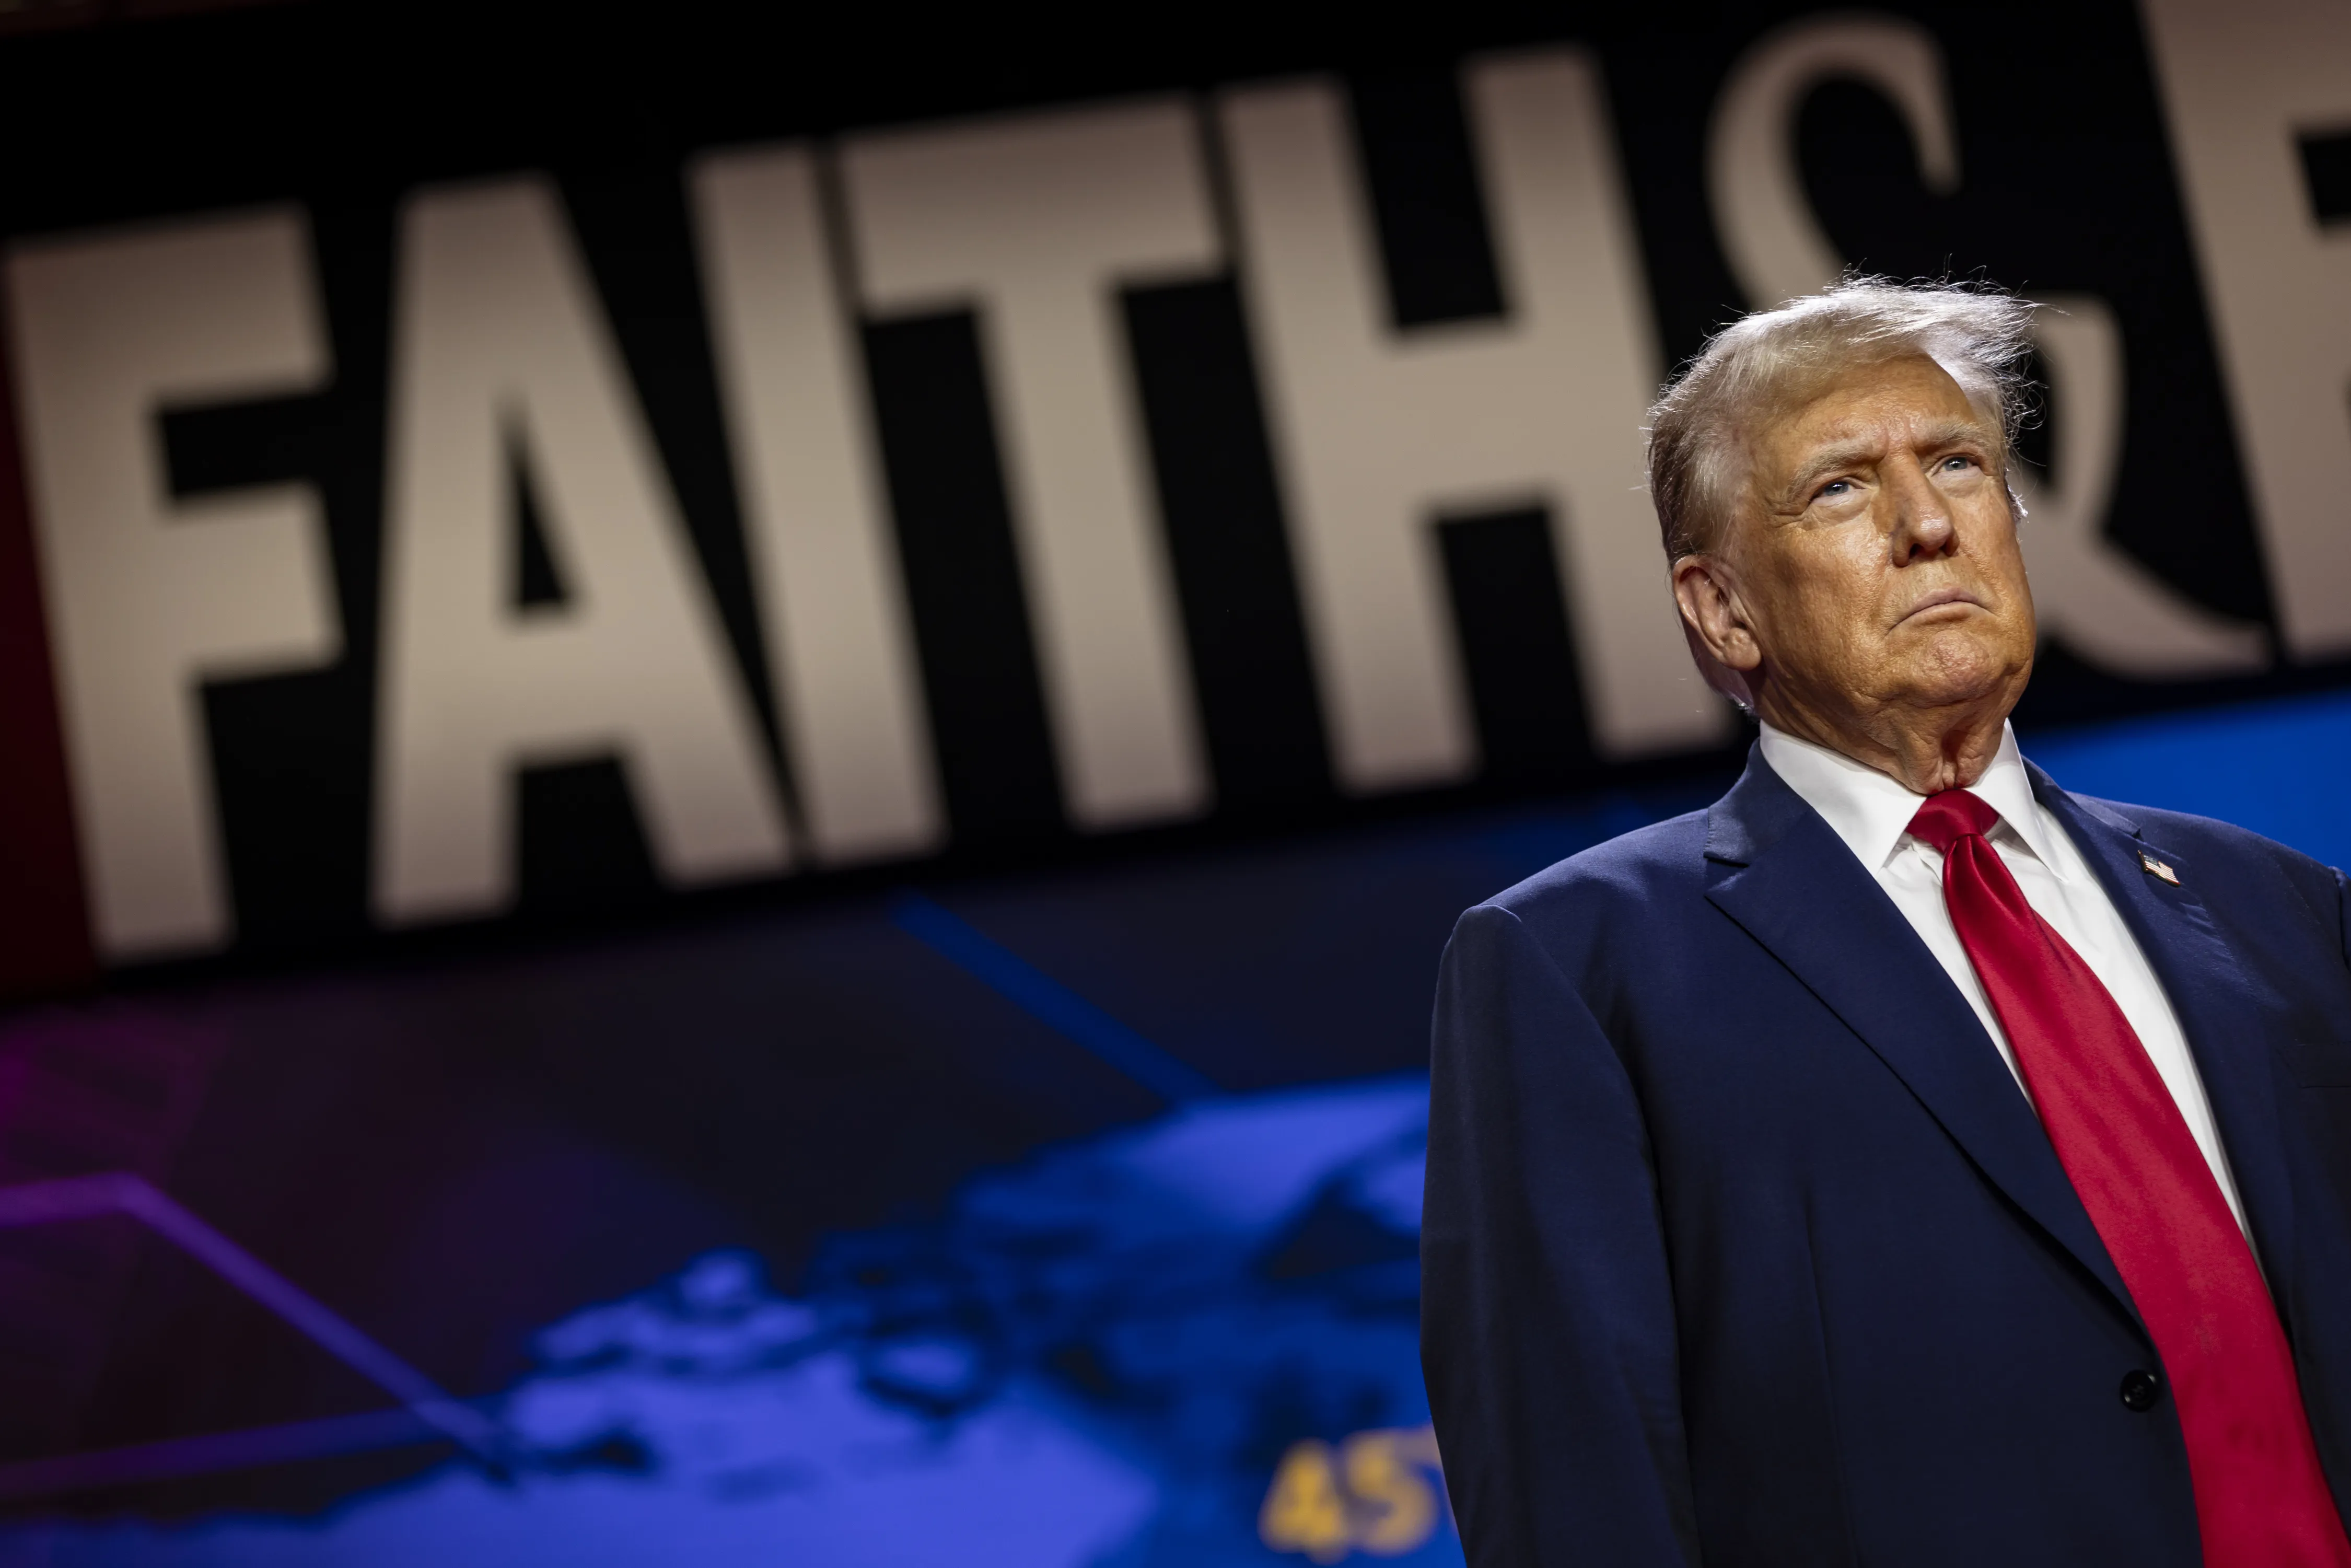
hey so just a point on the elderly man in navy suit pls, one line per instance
(1902, 1161)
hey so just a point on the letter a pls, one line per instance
(498, 340)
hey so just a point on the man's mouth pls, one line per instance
(1942, 597)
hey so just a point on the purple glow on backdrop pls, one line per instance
(95, 1197)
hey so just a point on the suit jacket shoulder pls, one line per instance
(2238, 866)
(1588, 911)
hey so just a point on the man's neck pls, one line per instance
(1925, 751)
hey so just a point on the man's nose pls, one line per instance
(1922, 525)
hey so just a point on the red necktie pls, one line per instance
(2260, 1499)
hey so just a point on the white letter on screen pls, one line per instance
(1775, 245)
(1381, 433)
(1035, 222)
(840, 645)
(2101, 604)
(2089, 595)
(150, 597)
(2243, 83)
(498, 338)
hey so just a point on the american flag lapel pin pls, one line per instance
(2157, 869)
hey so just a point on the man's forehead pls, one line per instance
(1869, 405)
(1874, 429)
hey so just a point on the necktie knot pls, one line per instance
(1951, 816)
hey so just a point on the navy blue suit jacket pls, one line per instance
(1743, 1245)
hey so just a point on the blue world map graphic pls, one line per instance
(1193, 1341)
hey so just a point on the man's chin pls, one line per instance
(1946, 689)
(1961, 671)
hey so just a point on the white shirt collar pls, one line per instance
(1870, 811)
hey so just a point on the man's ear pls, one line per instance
(1714, 622)
(1712, 613)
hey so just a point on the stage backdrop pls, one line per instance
(733, 753)
(460, 472)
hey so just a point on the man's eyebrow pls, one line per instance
(1958, 433)
(1839, 454)
(1827, 460)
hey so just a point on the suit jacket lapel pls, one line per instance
(2221, 1007)
(1783, 874)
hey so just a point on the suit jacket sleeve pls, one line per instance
(1547, 1316)
(2343, 914)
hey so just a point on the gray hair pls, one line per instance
(1979, 334)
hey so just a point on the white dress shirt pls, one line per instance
(1871, 812)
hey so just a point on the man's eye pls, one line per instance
(1836, 487)
(1958, 460)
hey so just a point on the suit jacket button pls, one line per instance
(2140, 1389)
